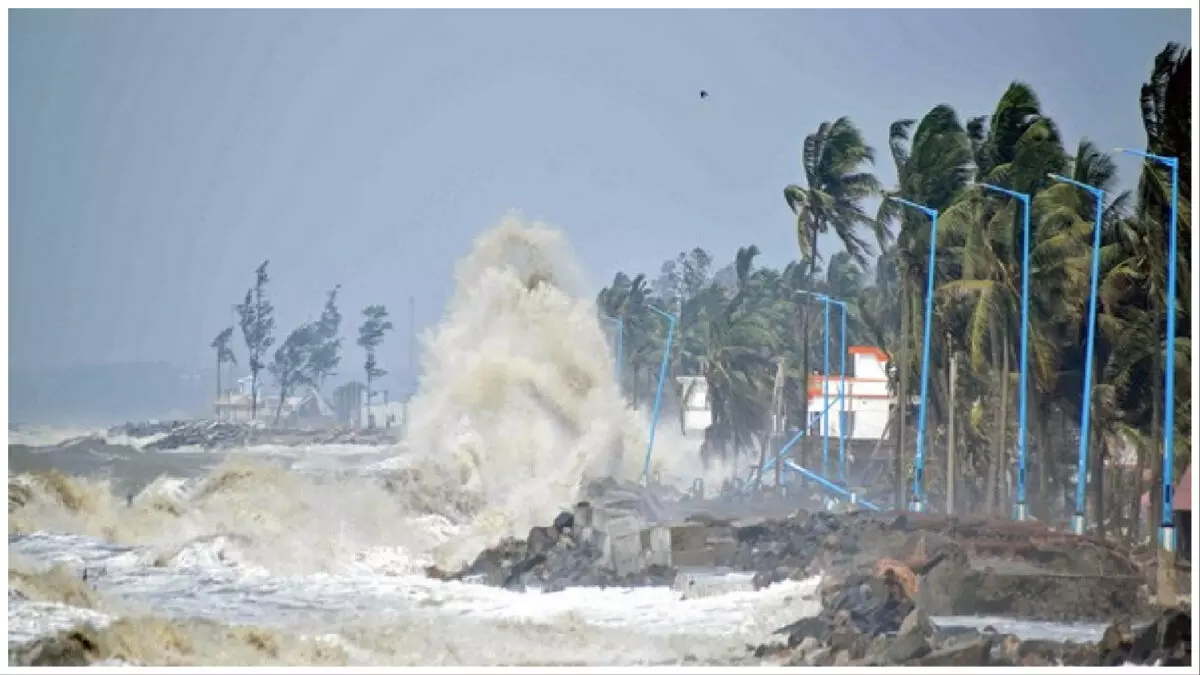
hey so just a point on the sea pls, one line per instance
(315, 555)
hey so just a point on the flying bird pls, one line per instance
(703, 94)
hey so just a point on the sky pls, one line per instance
(156, 157)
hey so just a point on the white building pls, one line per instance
(867, 406)
(867, 403)
(693, 396)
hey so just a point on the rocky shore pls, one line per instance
(872, 621)
(218, 435)
(951, 566)
(882, 579)
(213, 435)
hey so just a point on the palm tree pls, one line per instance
(223, 345)
(1020, 147)
(836, 186)
(931, 169)
(738, 364)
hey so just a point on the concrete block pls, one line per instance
(656, 544)
(625, 553)
(691, 536)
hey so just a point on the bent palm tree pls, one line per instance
(832, 159)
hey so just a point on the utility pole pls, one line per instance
(778, 422)
(950, 447)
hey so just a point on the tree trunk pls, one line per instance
(1002, 446)
(1044, 460)
(1139, 488)
(1156, 454)
(1098, 481)
(253, 394)
(993, 466)
(806, 365)
(951, 448)
(367, 404)
(902, 397)
(283, 391)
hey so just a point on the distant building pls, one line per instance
(307, 408)
(867, 409)
(693, 396)
(351, 408)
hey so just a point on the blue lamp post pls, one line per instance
(825, 300)
(1167, 530)
(1021, 510)
(825, 393)
(620, 339)
(662, 376)
(842, 396)
(918, 500)
(1079, 520)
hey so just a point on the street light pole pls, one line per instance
(1167, 530)
(1079, 520)
(824, 384)
(842, 397)
(662, 376)
(825, 391)
(918, 500)
(1022, 509)
(842, 390)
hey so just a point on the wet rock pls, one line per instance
(564, 521)
(918, 622)
(1166, 640)
(809, 628)
(971, 654)
(906, 647)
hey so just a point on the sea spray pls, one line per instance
(517, 404)
(517, 407)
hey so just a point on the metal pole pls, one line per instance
(825, 387)
(842, 390)
(1167, 529)
(1079, 520)
(842, 396)
(918, 500)
(1021, 511)
(662, 376)
(1166, 532)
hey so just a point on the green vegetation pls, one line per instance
(737, 326)
(370, 335)
(309, 355)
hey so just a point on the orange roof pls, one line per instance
(878, 353)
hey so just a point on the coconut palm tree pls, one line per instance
(1018, 149)
(832, 199)
(931, 169)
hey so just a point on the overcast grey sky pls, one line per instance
(157, 156)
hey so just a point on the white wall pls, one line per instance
(867, 401)
(696, 414)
